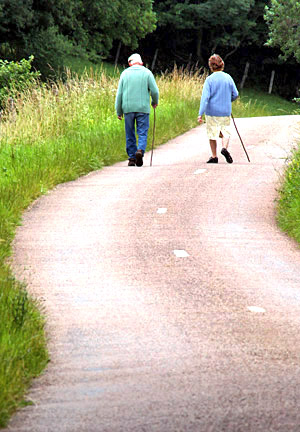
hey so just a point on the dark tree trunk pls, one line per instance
(199, 46)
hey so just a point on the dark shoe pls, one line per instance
(227, 155)
(131, 162)
(139, 158)
(212, 160)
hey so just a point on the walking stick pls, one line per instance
(240, 138)
(153, 139)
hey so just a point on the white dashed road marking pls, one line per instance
(256, 309)
(180, 253)
(200, 171)
(162, 210)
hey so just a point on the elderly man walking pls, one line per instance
(136, 85)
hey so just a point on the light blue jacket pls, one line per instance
(219, 91)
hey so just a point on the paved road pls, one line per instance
(149, 277)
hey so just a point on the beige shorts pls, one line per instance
(215, 125)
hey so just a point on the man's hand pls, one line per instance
(120, 117)
(154, 105)
(200, 119)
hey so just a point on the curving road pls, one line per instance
(173, 300)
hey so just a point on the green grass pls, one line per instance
(81, 67)
(57, 134)
(22, 341)
(288, 204)
(260, 103)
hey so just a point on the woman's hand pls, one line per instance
(200, 119)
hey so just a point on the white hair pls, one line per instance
(135, 58)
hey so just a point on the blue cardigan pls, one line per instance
(219, 91)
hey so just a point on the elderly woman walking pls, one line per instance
(219, 91)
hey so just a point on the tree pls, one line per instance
(205, 26)
(15, 77)
(105, 21)
(52, 30)
(283, 17)
(40, 28)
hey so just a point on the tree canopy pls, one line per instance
(283, 17)
(201, 27)
(54, 29)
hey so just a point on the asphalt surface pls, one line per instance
(172, 299)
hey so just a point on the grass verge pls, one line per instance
(55, 134)
(258, 104)
(288, 204)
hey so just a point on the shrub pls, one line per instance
(50, 49)
(15, 78)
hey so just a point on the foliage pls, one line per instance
(283, 18)
(288, 211)
(16, 77)
(205, 28)
(51, 29)
(264, 104)
(23, 353)
(51, 48)
(124, 20)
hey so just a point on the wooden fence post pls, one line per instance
(154, 59)
(271, 81)
(118, 54)
(12, 109)
(245, 75)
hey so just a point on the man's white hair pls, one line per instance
(135, 58)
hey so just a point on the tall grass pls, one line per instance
(288, 204)
(23, 352)
(258, 103)
(56, 133)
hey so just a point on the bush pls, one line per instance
(50, 49)
(15, 78)
(288, 211)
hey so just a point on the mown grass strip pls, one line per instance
(259, 104)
